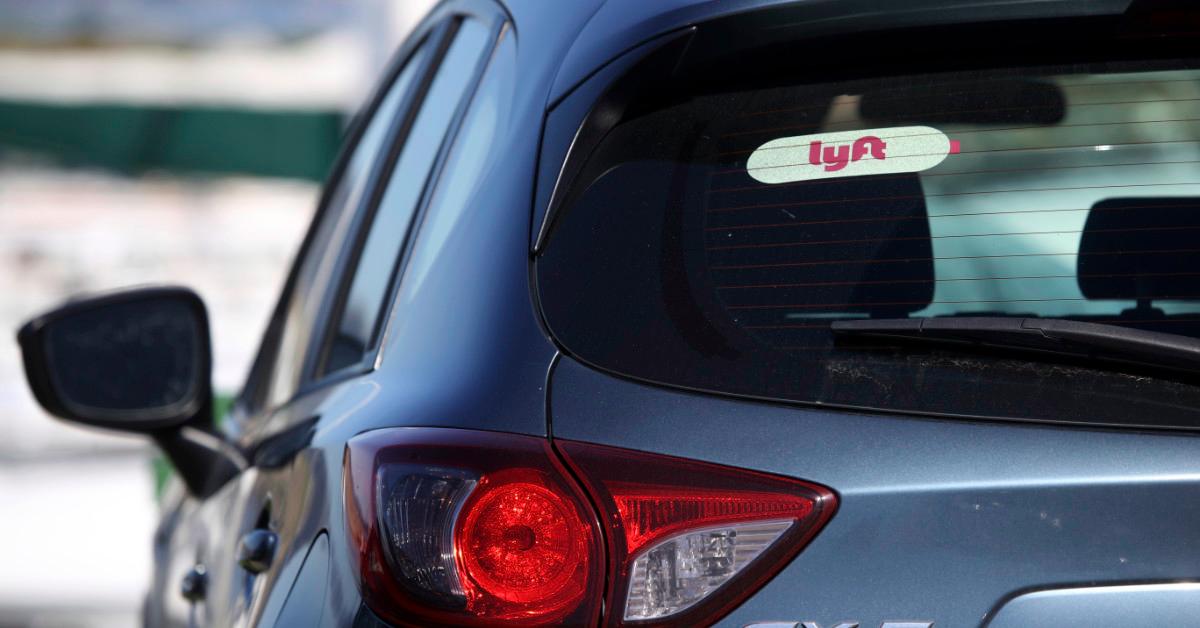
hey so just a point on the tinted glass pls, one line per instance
(312, 281)
(713, 236)
(356, 325)
(139, 355)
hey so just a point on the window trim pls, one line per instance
(251, 401)
(499, 26)
(346, 262)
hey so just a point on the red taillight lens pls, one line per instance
(524, 544)
(648, 513)
(691, 540)
(454, 527)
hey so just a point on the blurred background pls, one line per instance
(147, 141)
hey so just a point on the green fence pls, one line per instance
(136, 139)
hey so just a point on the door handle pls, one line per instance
(256, 550)
(194, 586)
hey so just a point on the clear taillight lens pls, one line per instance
(417, 507)
(671, 576)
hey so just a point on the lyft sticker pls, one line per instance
(850, 154)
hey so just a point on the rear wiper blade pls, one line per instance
(1052, 335)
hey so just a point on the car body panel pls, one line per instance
(620, 25)
(1148, 605)
(280, 497)
(305, 604)
(938, 520)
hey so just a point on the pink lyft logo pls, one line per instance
(836, 158)
(850, 154)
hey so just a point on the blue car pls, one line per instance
(823, 313)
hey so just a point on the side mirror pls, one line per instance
(136, 360)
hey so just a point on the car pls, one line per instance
(750, 313)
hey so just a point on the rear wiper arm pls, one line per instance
(1053, 335)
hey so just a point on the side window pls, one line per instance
(355, 324)
(282, 363)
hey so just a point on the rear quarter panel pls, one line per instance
(939, 520)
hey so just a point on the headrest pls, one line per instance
(1141, 248)
(858, 244)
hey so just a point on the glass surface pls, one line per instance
(714, 236)
(140, 355)
(358, 321)
(679, 572)
(312, 282)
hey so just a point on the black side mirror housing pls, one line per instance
(136, 360)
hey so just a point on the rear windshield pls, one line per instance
(711, 238)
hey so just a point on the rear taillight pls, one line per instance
(456, 527)
(690, 540)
